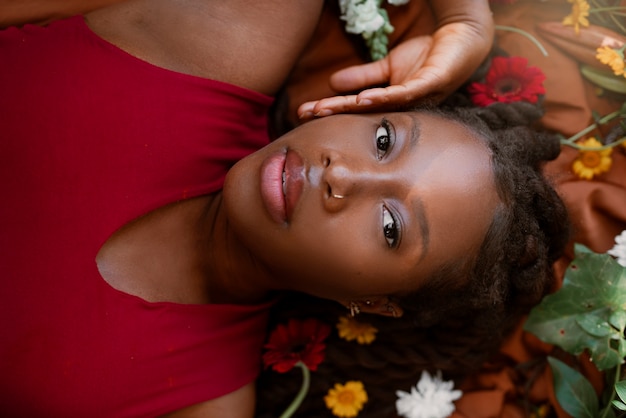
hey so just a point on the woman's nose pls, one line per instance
(346, 181)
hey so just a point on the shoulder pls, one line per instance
(239, 404)
(250, 44)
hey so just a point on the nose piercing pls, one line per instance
(338, 196)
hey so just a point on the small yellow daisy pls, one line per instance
(578, 17)
(591, 163)
(346, 400)
(613, 58)
(350, 329)
(541, 412)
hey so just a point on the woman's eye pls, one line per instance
(383, 139)
(390, 228)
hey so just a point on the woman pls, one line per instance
(133, 286)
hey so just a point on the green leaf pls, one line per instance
(587, 313)
(595, 324)
(573, 390)
(620, 389)
(604, 78)
(621, 348)
(619, 405)
(618, 320)
(581, 249)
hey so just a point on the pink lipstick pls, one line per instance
(272, 186)
(294, 181)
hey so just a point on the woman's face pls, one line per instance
(351, 206)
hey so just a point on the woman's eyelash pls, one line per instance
(391, 228)
(383, 139)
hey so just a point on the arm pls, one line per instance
(420, 68)
(237, 404)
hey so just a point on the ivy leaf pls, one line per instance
(595, 324)
(588, 312)
(618, 320)
(573, 391)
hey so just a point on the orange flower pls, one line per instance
(592, 163)
(614, 58)
(578, 17)
(346, 400)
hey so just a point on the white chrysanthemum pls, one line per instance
(619, 250)
(361, 16)
(343, 5)
(397, 2)
(430, 398)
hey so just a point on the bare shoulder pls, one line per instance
(237, 404)
(251, 44)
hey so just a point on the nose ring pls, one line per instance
(338, 196)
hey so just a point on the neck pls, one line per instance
(233, 274)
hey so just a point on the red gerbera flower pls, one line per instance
(508, 80)
(299, 340)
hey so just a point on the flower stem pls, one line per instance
(570, 141)
(526, 34)
(585, 148)
(607, 9)
(295, 404)
(618, 372)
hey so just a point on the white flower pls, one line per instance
(397, 2)
(619, 250)
(361, 16)
(343, 5)
(430, 398)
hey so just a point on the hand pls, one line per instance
(423, 68)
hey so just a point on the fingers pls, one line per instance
(427, 84)
(391, 99)
(422, 69)
(358, 77)
(329, 106)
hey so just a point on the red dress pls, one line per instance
(90, 139)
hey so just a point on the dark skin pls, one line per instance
(187, 252)
(257, 56)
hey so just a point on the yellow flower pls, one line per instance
(346, 400)
(350, 329)
(613, 58)
(578, 17)
(541, 412)
(591, 163)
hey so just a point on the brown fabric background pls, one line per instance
(598, 207)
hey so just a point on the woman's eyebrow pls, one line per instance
(414, 134)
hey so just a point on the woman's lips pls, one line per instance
(282, 180)
(294, 181)
(272, 186)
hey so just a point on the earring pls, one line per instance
(390, 308)
(354, 309)
(338, 196)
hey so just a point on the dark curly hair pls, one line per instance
(445, 326)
